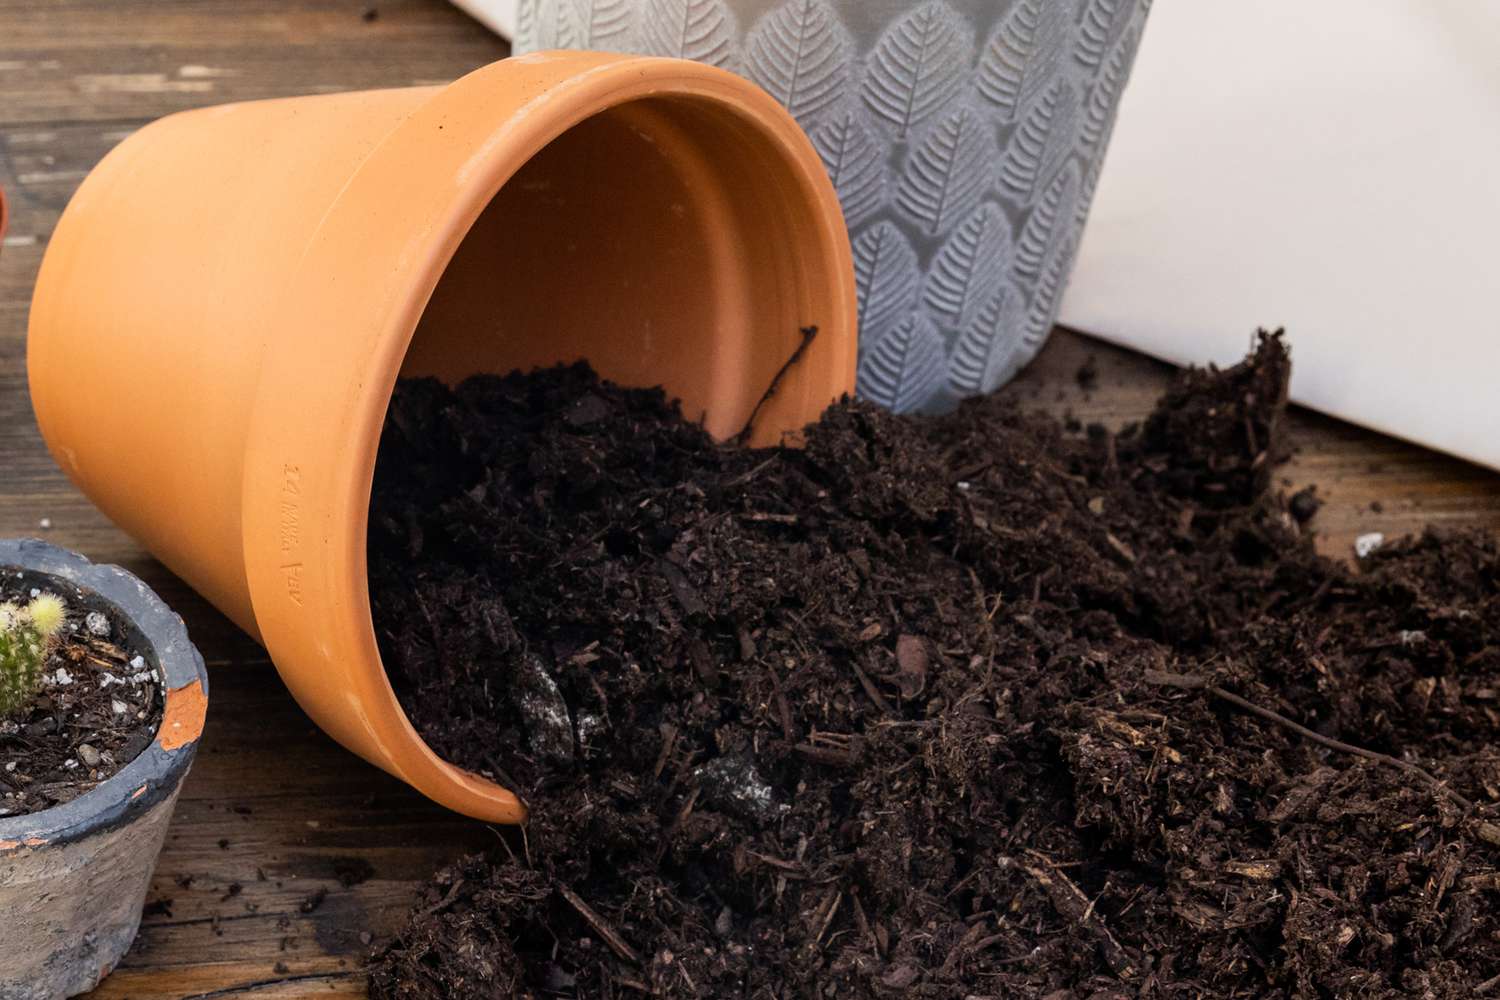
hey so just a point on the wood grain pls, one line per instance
(273, 807)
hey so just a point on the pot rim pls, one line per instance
(329, 556)
(158, 770)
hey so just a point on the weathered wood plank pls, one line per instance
(91, 60)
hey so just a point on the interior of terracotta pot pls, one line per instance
(663, 240)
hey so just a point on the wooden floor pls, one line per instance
(274, 813)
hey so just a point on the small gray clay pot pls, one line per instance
(73, 878)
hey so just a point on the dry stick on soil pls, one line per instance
(597, 924)
(808, 334)
(1191, 682)
(1070, 902)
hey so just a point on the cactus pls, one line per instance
(27, 636)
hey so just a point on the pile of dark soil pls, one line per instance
(99, 706)
(955, 707)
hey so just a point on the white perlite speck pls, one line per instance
(61, 678)
(97, 622)
(1368, 543)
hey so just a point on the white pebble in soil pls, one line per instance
(97, 622)
(88, 755)
(1365, 544)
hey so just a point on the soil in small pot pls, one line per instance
(98, 708)
(961, 706)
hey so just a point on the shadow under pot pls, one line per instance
(74, 875)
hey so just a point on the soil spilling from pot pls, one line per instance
(99, 705)
(965, 706)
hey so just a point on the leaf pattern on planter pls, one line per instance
(1104, 95)
(1103, 22)
(605, 25)
(855, 161)
(982, 355)
(1023, 56)
(527, 14)
(1049, 224)
(975, 236)
(800, 53)
(690, 29)
(948, 173)
(1045, 299)
(970, 266)
(918, 65)
(885, 276)
(1040, 144)
(567, 30)
(905, 366)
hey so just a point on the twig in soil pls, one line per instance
(668, 742)
(783, 709)
(599, 926)
(871, 689)
(761, 516)
(1192, 682)
(831, 756)
(445, 902)
(809, 334)
(863, 922)
(827, 913)
(1071, 903)
(745, 477)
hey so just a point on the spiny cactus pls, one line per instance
(27, 635)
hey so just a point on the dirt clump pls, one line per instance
(958, 706)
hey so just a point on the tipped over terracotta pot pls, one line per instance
(227, 302)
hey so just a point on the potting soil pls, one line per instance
(97, 708)
(947, 707)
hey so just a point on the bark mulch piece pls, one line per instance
(963, 706)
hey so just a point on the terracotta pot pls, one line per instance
(73, 877)
(226, 304)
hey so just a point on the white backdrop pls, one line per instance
(1332, 166)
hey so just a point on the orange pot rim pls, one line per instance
(339, 541)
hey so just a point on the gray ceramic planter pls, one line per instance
(964, 136)
(73, 878)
